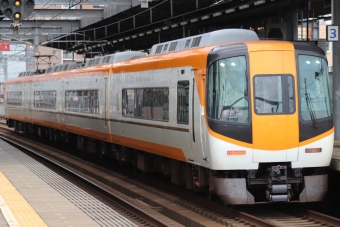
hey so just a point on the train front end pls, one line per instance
(269, 122)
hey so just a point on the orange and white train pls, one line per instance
(248, 120)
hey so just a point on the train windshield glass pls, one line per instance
(314, 88)
(227, 98)
(274, 94)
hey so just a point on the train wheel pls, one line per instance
(55, 135)
(209, 195)
(15, 125)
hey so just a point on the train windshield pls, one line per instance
(274, 94)
(314, 88)
(227, 95)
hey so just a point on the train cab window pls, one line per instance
(14, 98)
(227, 91)
(146, 103)
(274, 94)
(183, 102)
(45, 99)
(314, 88)
(82, 101)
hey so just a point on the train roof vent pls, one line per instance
(127, 55)
(64, 67)
(107, 59)
(54, 69)
(21, 74)
(71, 66)
(173, 46)
(207, 39)
(96, 61)
(159, 49)
(187, 44)
(165, 48)
(196, 41)
(89, 62)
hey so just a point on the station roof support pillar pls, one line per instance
(336, 71)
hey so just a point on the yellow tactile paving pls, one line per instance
(22, 211)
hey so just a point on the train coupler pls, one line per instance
(278, 188)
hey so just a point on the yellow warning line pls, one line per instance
(24, 214)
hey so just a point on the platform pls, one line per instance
(33, 195)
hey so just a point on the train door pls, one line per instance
(197, 123)
(274, 113)
(26, 103)
(184, 110)
(106, 105)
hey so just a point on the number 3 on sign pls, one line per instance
(332, 33)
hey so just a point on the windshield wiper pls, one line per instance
(310, 107)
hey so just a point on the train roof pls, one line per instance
(206, 39)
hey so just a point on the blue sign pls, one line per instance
(332, 33)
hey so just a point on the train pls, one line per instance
(222, 113)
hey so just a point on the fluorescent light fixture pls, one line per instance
(121, 40)
(141, 34)
(184, 23)
(148, 32)
(165, 28)
(134, 36)
(230, 10)
(205, 17)
(244, 7)
(174, 25)
(127, 38)
(157, 30)
(217, 14)
(114, 41)
(259, 2)
(44, 33)
(194, 20)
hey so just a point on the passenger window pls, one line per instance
(183, 102)
(82, 101)
(128, 102)
(146, 103)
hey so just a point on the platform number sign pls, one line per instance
(332, 33)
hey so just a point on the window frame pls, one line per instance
(90, 106)
(55, 100)
(187, 91)
(137, 106)
(14, 103)
(285, 94)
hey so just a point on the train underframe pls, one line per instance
(271, 182)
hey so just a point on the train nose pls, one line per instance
(275, 138)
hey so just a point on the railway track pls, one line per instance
(162, 199)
